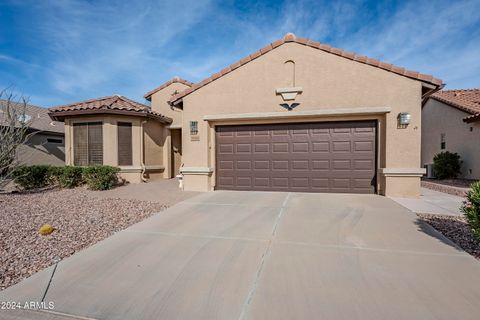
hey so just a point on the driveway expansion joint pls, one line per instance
(199, 236)
(253, 289)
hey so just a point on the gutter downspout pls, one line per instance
(142, 164)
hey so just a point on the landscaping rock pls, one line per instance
(455, 228)
(80, 220)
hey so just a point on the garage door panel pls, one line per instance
(225, 148)
(323, 146)
(300, 164)
(341, 146)
(280, 165)
(306, 157)
(367, 146)
(262, 148)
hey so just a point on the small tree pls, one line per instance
(13, 133)
(446, 165)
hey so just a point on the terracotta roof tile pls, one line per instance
(467, 100)
(303, 41)
(226, 70)
(290, 37)
(277, 43)
(235, 65)
(314, 44)
(255, 55)
(336, 51)
(386, 66)
(245, 60)
(325, 47)
(107, 104)
(347, 54)
(166, 84)
(360, 58)
(266, 49)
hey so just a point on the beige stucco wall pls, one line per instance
(159, 102)
(37, 150)
(172, 160)
(152, 140)
(328, 81)
(438, 118)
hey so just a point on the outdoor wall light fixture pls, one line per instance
(404, 118)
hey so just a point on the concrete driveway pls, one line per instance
(260, 255)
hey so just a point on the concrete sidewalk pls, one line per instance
(432, 202)
(264, 255)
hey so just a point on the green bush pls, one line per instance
(471, 208)
(39, 176)
(101, 177)
(446, 165)
(32, 177)
(70, 176)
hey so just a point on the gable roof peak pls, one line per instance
(290, 36)
(175, 79)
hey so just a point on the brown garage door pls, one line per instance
(303, 157)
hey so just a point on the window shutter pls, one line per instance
(87, 144)
(80, 145)
(95, 143)
(124, 144)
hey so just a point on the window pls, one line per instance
(442, 141)
(193, 128)
(124, 130)
(54, 140)
(87, 144)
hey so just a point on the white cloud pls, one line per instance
(94, 44)
(93, 48)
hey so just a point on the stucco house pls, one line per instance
(46, 144)
(451, 122)
(296, 115)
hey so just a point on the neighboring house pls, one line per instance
(296, 115)
(451, 122)
(46, 144)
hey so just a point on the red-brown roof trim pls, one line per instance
(149, 94)
(290, 37)
(111, 105)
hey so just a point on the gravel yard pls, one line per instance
(456, 229)
(79, 217)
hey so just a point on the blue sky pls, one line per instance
(58, 52)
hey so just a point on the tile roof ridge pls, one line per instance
(82, 102)
(175, 79)
(290, 37)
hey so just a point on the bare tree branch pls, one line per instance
(14, 131)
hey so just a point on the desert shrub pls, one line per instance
(70, 176)
(446, 165)
(471, 208)
(31, 177)
(100, 177)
